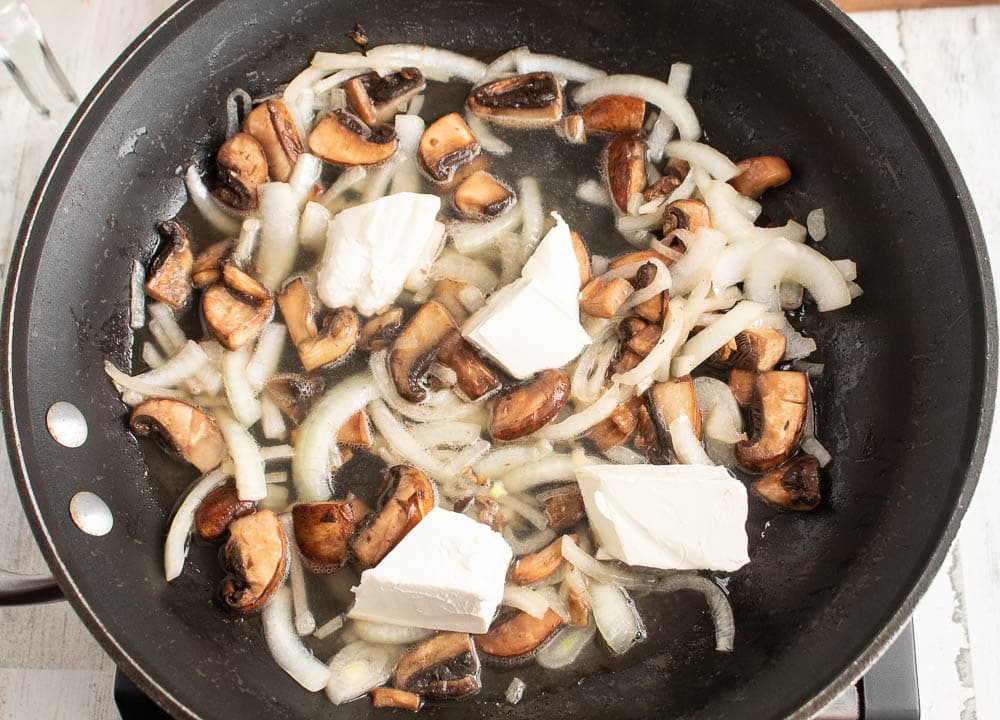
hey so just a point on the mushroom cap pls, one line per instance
(242, 165)
(181, 428)
(272, 126)
(416, 347)
(169, 277)
(539, 565)
(219, 508)
(518, 637)
(407, 496)
(341, 138)
(445, 666)
(757, 174)
(615, 114)
(446, 145)
(792, 486)
(529, 100)
(625, 168)
(475, 379)
(294, 393)
(236, 308)
(481, 196)
(256, 558)
(322, 533)
(667, 401)
(527, 408)
(778, 409)
(378, 332)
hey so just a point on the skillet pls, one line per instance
(905, 401)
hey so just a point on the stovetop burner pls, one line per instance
(888, 691)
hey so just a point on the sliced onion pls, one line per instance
(526, 599)
(718, 604)
(781, 260)
(855, 290)
(633, 223)
(556, 603)
(403, 444)
(207, 205)
(448, 433)
(600, 571)
(578, 423)
(593, 192)
(436, 63)
(316, 452)
(173, 336)
(347, 180)
(470, 237)
(409, 129)
(699, 348)
(176, 546)
(525, 509)
(420, 274)
(304, 177)
(286, 648)
(333, 82)
(188, 361)
(515, 691)
(242, 399)
(279, 233)
(566, 646)
(439, 405)
(452, 264)
(329, 627)
(686, 444)
(698, 262)
(443, 374)
(592, 365)
(616, 617)
(812, 446)
(532, 215)
(791, 295)
(847, 268)
(487, 139)
(671, 103)
(501, 460)
(245, 455)
(416, 105)
(504, 64)
(715, 395)
(812, 369)
(386, 634)
(572, 70)
(299, 107)
(313, 226)
(625, 456)
(704, 156)
(816, 224)
(277, 452)
(247, 241)
(527, 544)
(137, 296)
(662, 352)
(305, 622)
(663, 127)
(267, 354)
(139, 387)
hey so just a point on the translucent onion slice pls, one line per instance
(530, 601)
(207, 205)
(452, 264)
(267, 354)
(616, 617)
(578, 423)
(386, 634)
(812, 446)
(137, 296)
(344, 182)
(278, 245)
(593, 192)
(572, 70)
(305, 622)
(625, 456)
(816, 224)
(783, 261)
(527, 544)
(532, 215)
(525, 509)
(501, 460)
(488, 140)
(663, 126)
(698, 262)
(187, 362)
(602, 572)
(304, 177)
(503, 64)
(173, 336)
(686, 444)
(715, 395)
(313, 226)
(446, 433)
(566, 646)
(286, 648)
(718, 604)
(439, 405)
(330, 627)
(176, 546)
(316, 452)
(704, 156)
(699, 348)
(662, 352)
(470, 237)
(403, 444)
(240, 393)
(515, 691)
(245, 455)
(672, 103)
(359, 667)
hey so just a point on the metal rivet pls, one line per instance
(91, 514)
(66, 424)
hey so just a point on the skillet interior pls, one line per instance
(909, 369)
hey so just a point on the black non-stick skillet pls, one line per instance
(904, 403)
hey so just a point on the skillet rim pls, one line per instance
(164, 29)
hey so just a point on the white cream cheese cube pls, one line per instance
(555, 267)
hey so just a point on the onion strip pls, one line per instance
(669, 100)
(245, 455)
(286, 648)
(176, 546)
(207, 205)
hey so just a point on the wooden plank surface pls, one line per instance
(50, 667)
(870, 5)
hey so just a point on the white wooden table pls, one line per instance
(50, 667)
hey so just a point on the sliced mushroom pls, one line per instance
(322, 531)
(758, 174)
(447, 145)
(316, 347)
(443, 667)
(255, 558)
(474, 378)
(527, 408)
(646, 439)
(482, 196)
(793, 486)
(689, 215)
(458, 298)
(615, 114)
(655, 308)
(638, 256)
(643, 341)
(627, 361)
(532, 100)
(416, 347)
(384, 697)
(169, 276)
(577, 605)
(778, 412)
(359, 507)
(603, 298)
(582, 257)
(341, 138)
(242, 169)
(357, 431)
(722, 356)
(758, 349)
(182, 429)
(537, 566)
(518, 637)
(673, 175)
(563, 506)
(294, 393)
(666, 401)
(379, 332)
(219, 508)
(625, 167)
(236, 308)
(272, 126)
(406, 496)
(572, 129)
(376, 99)
(618, 427)
(741, 382)
(207, 267)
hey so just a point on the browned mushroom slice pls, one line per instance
(294, 393)
(359, 507)
(638, 256)
(219, 508)
(655, 308)
(406, 497)
(416, 347)
(182, 429)
(169, 276)
(625, 168)
(379, 332)
(563, 506)
(618, 427)
(532, 100)
(255, 558)
(626, 362)
(237, 308)
(384, 697)
(646, 439)
(686, 215)
(741, 382)
(667, 401)
(322, 531)
(615, 114)
(443, 667)
(758, 349)
(357, 431)
(793, 486)
(450, 294)
(603, 298)
(572, 129)
(778, 411)
(582, 257)
(536, 566)
(519, 637)
(242, 169)
(482, 196)
(317, 347)
(673, 175)
(474, 377)
(527, 408)
(376, 99)
(342, 138)
(723, 355)
(579, 609)
(643, 342)
(272, 126)
(207, 267)
(758, 174)
(447, 144)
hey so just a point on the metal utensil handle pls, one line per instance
(17, 589)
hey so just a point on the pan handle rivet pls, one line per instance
(91, 514)
(66, 424)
